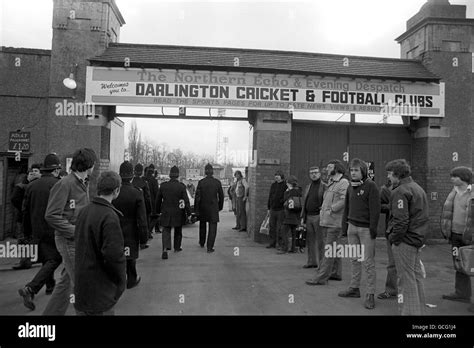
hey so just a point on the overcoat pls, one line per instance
(173, 212)
(133, 222)
(209, 199)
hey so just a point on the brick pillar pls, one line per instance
(440, 36)
(271, 147)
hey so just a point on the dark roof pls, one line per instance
(22, 50)
(253, 60)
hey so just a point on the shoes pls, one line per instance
(270, 246)
(150, 236)
(164, 256)
(135, 284)
(310, 266)
(49, 291)
(243, 230)
(456, 297)
(28, 297)
(386, 295)
(351, 292)
(210, 250)
(369, 301)
(236, 228)
(178, 250)
(23, 265)
(282, 251)
(335, 278)
(202, 245)
(316, 282)
(144, 246)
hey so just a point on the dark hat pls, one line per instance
(139, 168)
(51, 162)
(151, 166)
(292, 180)
(174, 172)
(208, 170)
(126, 170)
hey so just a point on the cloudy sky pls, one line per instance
(352, 27)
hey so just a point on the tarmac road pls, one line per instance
(242, 278)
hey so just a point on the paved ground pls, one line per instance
(241, 278)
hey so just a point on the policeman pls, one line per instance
(173, 204)
(140, 182)
(133, 222)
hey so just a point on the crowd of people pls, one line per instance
(98, 240)
(341, 209)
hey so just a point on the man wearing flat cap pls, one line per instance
(173, 204)
(34, 208)
(208, 202)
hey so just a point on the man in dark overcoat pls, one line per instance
(173, 204)
(133, 222)
(153, 185)
(208, 202)
(139, 182)
(33, 210)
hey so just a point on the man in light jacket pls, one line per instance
(66, 199)
(456, 223)
(331, 222)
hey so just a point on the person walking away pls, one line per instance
(34, 208)
(292, 212)
(153, 186)
(208, 202)
(456, 223)
(24, 231)
(100, 274)
(391, 280)
(276, 199)
(133, 222)
(407, 228)
(66, 199)
(310, 217)
(331, 221)
(139, 182)
(173, 205)
(359, 223)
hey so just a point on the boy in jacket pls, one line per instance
(359, 223)
(456, 222)
(100, 269)
(407, 229)
(66, 199)
(292, 213)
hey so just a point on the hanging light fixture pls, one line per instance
(69, 82)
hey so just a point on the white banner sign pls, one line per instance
(153, 87)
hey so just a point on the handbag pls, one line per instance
(264, 228)
(464, 260)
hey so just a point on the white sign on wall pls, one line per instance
(153, 87)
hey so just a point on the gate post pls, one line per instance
(271, 149)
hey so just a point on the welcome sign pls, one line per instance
(181, 88)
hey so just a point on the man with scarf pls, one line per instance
(359, 223)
